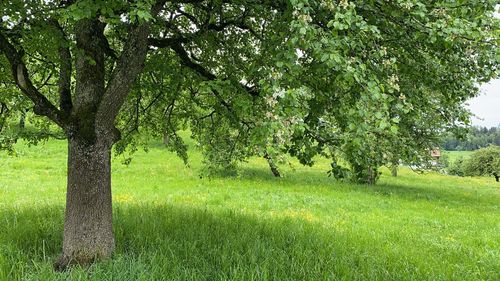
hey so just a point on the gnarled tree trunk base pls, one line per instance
(64, 262)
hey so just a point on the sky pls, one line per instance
(487, 106)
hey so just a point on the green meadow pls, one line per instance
(455, 155)
(172, 224)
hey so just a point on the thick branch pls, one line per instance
(186, 61)
(176, 46)
(65, 103)
(130, 65)
(20, 73)
(90, 72)
(3, 109)
(65, 69)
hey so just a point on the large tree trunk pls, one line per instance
(88, 118)
(88, 231)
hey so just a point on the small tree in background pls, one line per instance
(483, 162)
(456, 167)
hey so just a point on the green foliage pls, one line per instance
(483, 162)
(339, 172)
(365, 81)
(172, 225)
(476, 138)
(456, 167)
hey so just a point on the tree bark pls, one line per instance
(88, 231)
(274, 168)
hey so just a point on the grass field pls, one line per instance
(454, 155)
(170, 224)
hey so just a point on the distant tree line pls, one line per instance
(478, 137)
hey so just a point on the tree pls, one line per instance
(456, 167)
(483, 162)
(248, 77)
(355, 120)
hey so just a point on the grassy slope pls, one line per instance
(172, 225)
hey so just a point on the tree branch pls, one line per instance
(129, 66)
(176, 46)
(65, 69)
(20, 73)
(65, 103)
(186, 61)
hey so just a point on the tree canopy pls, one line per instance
(358, 80)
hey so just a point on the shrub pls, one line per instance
(483, 162)
(456, 167)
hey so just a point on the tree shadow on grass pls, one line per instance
(184, 243)
(417, 191)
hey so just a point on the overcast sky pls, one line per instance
(487, 105)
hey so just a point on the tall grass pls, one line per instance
(170, 224)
